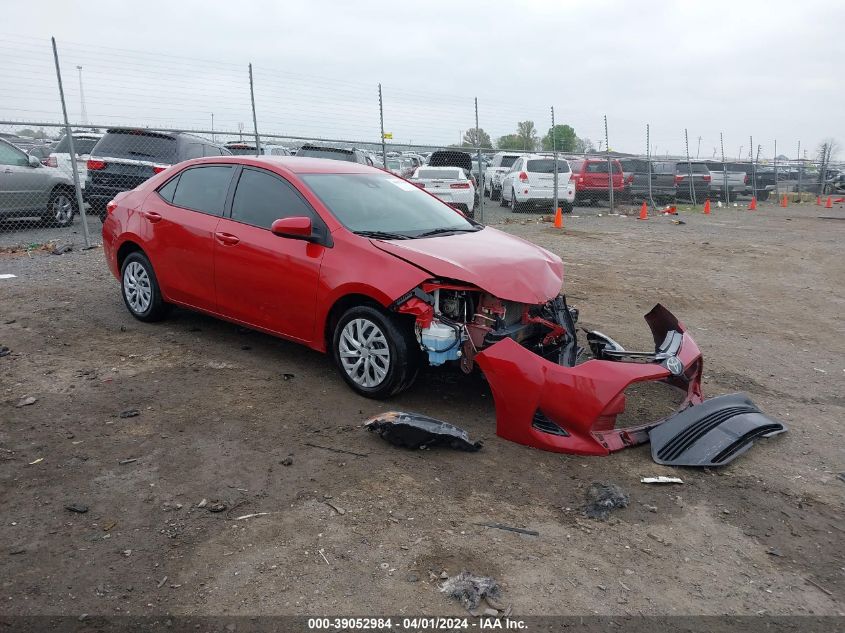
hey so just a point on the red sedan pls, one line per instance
(352, 260)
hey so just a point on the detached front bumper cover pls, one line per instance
(572, 409)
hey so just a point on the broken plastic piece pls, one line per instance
(661, 479)
(412, 430)
(712, 433)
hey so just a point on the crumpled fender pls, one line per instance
(581, 401)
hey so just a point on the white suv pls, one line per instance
(83, 143)
(502, 162)
(530, 181)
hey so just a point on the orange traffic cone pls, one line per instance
(707, 207)
(828, 205)
(558, 219)
(644, 211)
(818, 201)
(753, 205)
(783, 201)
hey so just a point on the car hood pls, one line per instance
(505, 266)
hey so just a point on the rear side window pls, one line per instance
(507, 161)
(261, 198)
(203, 189)
(138, 145)
(169, 189)
(547, 166)
(80, 145)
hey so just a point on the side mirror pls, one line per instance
(298, 227)
(34, 162)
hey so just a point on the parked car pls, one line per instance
(42, 153)
(344, 258)
(449, 184)
(29, 189)
(738, 179)
(764, 178)
(124, 158)
(243, 148)
(530, 182)
(701, 179)
(83, 143)
(499, 166)
(637, 176)
(335, 153)
(591, 179)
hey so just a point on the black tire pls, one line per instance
(762, 196)
(501, 199)
(515, 206)
(495, 195)
(61, 208)
(403, 352)
(155, 308)
(566, 207)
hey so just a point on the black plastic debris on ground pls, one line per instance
(129, 413)
(602, 498)
(469, 589)
(412, 430)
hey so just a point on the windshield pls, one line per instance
(320, 152)
(439, 174)
(137, 145)
(80, 145)
(382, 202)
(547, 166)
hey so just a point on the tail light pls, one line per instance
(459, 185)
(523, 177)
(707, 177)
(745, 180)
(52, 161)
(631, 179)
(111, 206)
(95, 164)
(678, 179)
(157, 169)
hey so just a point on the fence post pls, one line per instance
(554, 155)
(480, 182)
(609, 167)
(381, 123)
(753, 166)
(777, 186)
(254, 118)
(79, 201)
(727, 190)
(800, 173)
(689, 170)
(648, 166)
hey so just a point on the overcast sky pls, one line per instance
(773, 70)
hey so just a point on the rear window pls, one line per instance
(439, 174)
(697, 168)
(600, 167)
(547, 166)
(327, 152)
(138, 146)
(241, 150)
(507, 161)
(81, 145)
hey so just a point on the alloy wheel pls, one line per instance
(364, 352)
(62, 209)
(137, 287)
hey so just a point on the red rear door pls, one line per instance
(261, 279)
(179, 221)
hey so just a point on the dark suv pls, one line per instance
(124, 158)
(334, 153)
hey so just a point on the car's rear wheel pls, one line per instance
(140, 289)
(495, 195)
(566, 207)
(60, 208)
(375, 355)
(515, 206)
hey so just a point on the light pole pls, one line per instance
(82, 97)
(212, 127)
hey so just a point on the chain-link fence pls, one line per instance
(80, 124)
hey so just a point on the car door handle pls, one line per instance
(227, 238)
(152, 216)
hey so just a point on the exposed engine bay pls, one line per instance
(455, 321)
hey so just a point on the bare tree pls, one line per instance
(527, 134)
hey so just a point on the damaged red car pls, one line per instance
(385, 277)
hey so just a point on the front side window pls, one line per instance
(262, 198)
(12, 156)
(203, 189)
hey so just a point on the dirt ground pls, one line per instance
(359, 532)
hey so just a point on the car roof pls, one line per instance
(295, 164)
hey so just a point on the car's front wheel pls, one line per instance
(375, 355)
(140, 289)
(60, 208)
